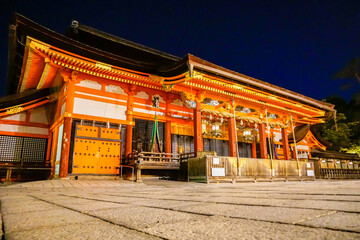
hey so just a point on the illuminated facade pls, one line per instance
(91, 95)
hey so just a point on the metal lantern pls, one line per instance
(216, 132)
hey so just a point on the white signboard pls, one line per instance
(277, 136)
(218, 172)
(310, 173)
(216, 160)
(302, 147)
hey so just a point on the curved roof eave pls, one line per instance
(27, 27)
(26, 96)
(238, 77)
(167, 66)
(313, 130)
(299, 132)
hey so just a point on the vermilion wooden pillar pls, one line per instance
(168, 137)
(198, 140)
(65, 147)
(285, 143)
(129, 128)
(168, 127)
(48, 151)
(232, 137)
(253, 148)
(294, 152)
(55, 135)
(262, 135)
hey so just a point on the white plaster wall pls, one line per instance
(89, 84)
(142, 95)
(99, 109)
(16, 117)
(115, 89)
(148, 111)
(38, 115)
(23, 129)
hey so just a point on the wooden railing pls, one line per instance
(158, 157)
(154, 157)
(9, 166)
(222, 168)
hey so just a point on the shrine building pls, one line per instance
(84, 102)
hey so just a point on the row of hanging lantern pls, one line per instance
(214, 124)
(212, 127)
(247, 132)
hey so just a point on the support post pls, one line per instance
(232, 137)
(253, 148)
(262, 135)
(8, 175)
(295, 148)
(65, 147)
(285, 142)
(295, 153)
(55, 135)
(48, 152)
(168, 136)
(69, 107)
(129, 128)
(138, 174)
(198, 139)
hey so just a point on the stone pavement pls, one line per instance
(161, 209)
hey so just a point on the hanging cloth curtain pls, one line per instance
(155, 136)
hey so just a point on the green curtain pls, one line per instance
(155, 136)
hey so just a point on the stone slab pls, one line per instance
(92, 230)
(227, 228)
(275, 214)
(338, 220)
(22, 221)
(140, 217)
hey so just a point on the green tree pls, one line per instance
(342, 133)
(338, 135)
(350, 75)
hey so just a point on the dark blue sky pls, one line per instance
(297, 45)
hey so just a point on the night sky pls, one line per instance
(298, 45)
